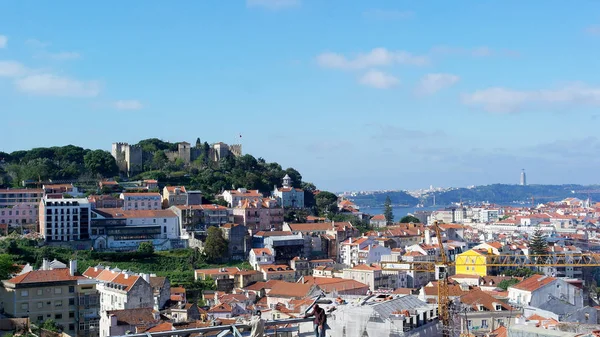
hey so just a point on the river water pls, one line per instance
(399, 212)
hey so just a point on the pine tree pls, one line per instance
(538, 245)
(387, 212)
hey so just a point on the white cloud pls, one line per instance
(62, 56)
(53, 85)
(593, 30)
(273, 4)
(12, 69)
(35, 43)
(432, 83)
(376, 57)
(3, 41)
(508, 100)
(378, 79)
(128, 105)
(383, 14)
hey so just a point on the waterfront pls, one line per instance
(399, 212)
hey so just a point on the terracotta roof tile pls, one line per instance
(533, 283)
(287, 289)
(118, 213)
(43, 276)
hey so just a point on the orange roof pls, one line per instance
(43, 276)
(259, 251)
(287, 289)
(500, 332)
(367, 267)
(171, 189)
(534, 282)
(223, 307)
(165, 326)
(477, 297)
(248, 193)
(378, 217)
(310, 227)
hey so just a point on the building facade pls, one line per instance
(288, 196)
(174, 195)
(65, 219)
(260, 214)
(19, 206)
(141, 201)
(234, 197)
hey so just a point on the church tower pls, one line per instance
(287, 181)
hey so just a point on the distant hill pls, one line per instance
(399, 198)
(496, 193)
(505, 194)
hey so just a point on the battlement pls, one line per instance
(236, 149)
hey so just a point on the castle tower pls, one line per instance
(287, 181)
(184, 152)
(523, 178)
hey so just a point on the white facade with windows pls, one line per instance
(65, 219)
(141, 201)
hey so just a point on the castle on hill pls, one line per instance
(131, 158)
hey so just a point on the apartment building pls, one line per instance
(260, 214)
(117, 229)
(233, 197)
(375, 277)
(19, 206)
(141, 201)
(61, 190)
(65, 219)
(120, 290)
(288, 196)
(174, 195)
(199, 217)
(43, 294)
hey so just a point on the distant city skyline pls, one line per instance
(354, 95)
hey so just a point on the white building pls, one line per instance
(122, 289)
(65, 219)
(233, 197)
(376, 278)
(261, 256)
(117, 229)
(288, 196)
(536, 290)
(361, 251)
(141, 201)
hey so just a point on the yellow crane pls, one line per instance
(443, 265)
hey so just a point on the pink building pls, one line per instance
(141, 201)
(19, 206)
(259, 214)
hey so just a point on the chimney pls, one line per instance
(44, 264)
(428, 237)
(72, 267)
(126, 275)
(146, 278)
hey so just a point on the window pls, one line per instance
(24, 293)
(24, 306)
(165, 220)
(71, 314)
(484, 323)
(40, 292)
(71, 301)
(58, 303)
(58, 290)
(71, 327)
(40, 318)
(469, 323)
(40, 305)
(71, 289)
(59, 316)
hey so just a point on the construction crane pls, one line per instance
(443, 265)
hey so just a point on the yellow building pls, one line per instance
(473, 262)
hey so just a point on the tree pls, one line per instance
(50, 325)
(215, 246)
(326, 203)
(504, 284)
(159, 160)
(387, 211)
(146, 248)
(409, 219)
(101, 162)
(538, 245)
(198, 143)
(7, 266)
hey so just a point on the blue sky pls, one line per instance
(353, 94)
